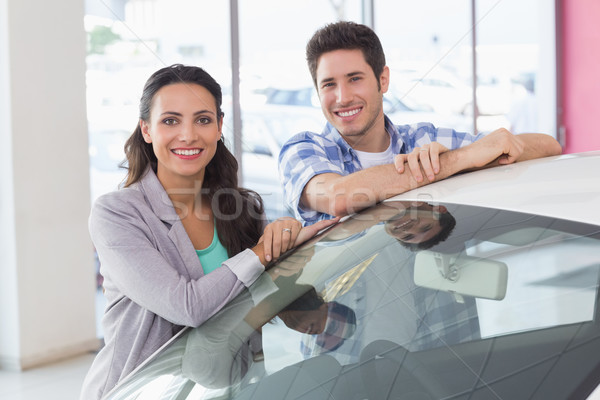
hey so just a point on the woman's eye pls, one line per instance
(204, 120)
(169, 121)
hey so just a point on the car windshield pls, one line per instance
(404, 299)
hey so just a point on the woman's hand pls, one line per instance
(293, 263)
(284, 233)
(279, 236)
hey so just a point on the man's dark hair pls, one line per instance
(447, 222)
(345, 35)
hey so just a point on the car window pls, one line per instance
(435, 300)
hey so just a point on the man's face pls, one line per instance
(311, 322)
(350, 96)
(415, 225)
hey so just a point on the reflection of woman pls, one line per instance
(181, 239)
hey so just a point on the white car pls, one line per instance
(481, 286)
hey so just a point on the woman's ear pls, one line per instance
(220, 125)
(145, 133)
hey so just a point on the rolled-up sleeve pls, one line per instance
(301, 158)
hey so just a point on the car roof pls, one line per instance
(565, 186)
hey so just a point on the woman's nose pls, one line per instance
(187, 133)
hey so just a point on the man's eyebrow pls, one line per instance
(348, 75)
(325, 80)
(351, 74)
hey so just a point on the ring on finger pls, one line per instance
(287, 230)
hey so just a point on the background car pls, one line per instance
(481, 286)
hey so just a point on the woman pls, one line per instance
(180, 240)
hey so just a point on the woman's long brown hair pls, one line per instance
(238, 212)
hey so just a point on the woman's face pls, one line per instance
(184, 129)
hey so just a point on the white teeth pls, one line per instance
(348, 113)
(187, 152)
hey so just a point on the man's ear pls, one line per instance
(145, 133)
(384, 79)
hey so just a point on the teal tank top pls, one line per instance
(213, 256)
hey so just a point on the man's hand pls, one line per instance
(339, 195)
(499, 147)
(427, 157)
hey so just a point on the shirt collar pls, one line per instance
(348, 152)
(396, 138)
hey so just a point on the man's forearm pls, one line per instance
(539, 145)
(345, 195)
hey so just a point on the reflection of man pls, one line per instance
(422, 226)
(387, 303)
(329, 324)
(359, 157)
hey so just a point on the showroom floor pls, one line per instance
(58, 381)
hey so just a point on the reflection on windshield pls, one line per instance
(430, 293)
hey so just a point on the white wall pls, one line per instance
(47, 280)
(9, 338)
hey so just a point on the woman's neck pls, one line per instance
(186, 193)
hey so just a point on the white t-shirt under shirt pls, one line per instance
(368, 160)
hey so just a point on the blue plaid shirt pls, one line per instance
(308, 154)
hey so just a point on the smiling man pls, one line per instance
(359, 158)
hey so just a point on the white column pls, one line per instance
(47, 286)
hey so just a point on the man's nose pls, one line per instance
(344, 94)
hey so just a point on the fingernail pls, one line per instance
(268, 257)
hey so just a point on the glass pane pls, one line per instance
(277, 95)
(126, 45)
(428, 50)
(515, 65)
(127, 42)
(406, 298)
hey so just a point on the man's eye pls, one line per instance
(426, 228)
(407, 237)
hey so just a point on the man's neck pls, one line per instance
(375, 141)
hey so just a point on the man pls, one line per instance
(421, 226)
(359, 158)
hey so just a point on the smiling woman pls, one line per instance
(184, 141)
(181, 239)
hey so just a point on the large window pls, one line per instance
(429, 49)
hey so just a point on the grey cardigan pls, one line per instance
(151, 279)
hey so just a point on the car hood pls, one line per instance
(539, 186)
